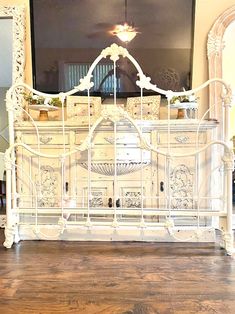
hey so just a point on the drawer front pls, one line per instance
(105, 138)
(45, 139)
(107, 154)
(179, 138)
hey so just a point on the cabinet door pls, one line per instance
(128, 158)
(41, 176)
(177, 178)
(181, 179)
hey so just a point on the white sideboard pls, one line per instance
(51, 181)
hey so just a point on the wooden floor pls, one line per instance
(121, 278)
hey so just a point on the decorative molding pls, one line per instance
(114, 51)
(181, 187)
(150, 107)
(18, 17)
(96, 200)
(131, 197)
(228, 160)
(47, 187)
(98, 197)
(45, 139)
(17, 13)
(215, 46)
(227, 97)
(78, 108)
(182, 139)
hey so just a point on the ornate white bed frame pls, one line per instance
(154, 222)
(17, 15)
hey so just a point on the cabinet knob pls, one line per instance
(162, 186)
(66, 186)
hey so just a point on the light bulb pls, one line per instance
(125, 32)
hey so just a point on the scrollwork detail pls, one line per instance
(18, 16)
(214, 45)
(48, 184)
(45, 139)
(228, 96)
(114, 51)
(85, 83)
(181, 187)
(144, 82)
(182, 139)
(228, 160)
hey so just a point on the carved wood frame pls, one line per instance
(17, 14)
(74, 103)
(215, 46)
(150, 107)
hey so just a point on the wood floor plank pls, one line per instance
(115, 278)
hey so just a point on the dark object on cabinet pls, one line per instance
(110, 203)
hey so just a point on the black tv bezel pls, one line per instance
(102, 94)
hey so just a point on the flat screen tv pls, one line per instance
(68, 35)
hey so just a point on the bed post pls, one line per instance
(9, 229)
(10, 175)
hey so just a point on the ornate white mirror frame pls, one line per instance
(17, 15)
(215, 46)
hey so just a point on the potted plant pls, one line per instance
(184, 103)
(183, 99)
(42, 104)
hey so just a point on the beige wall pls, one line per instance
(207, 12)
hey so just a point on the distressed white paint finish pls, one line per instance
(150, 197)
(17, 16)
(215, 48)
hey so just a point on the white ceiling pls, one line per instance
(79, 23)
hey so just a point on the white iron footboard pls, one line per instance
(135, 215)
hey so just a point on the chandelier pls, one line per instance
(125, 32)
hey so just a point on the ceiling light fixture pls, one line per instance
(125, 32)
